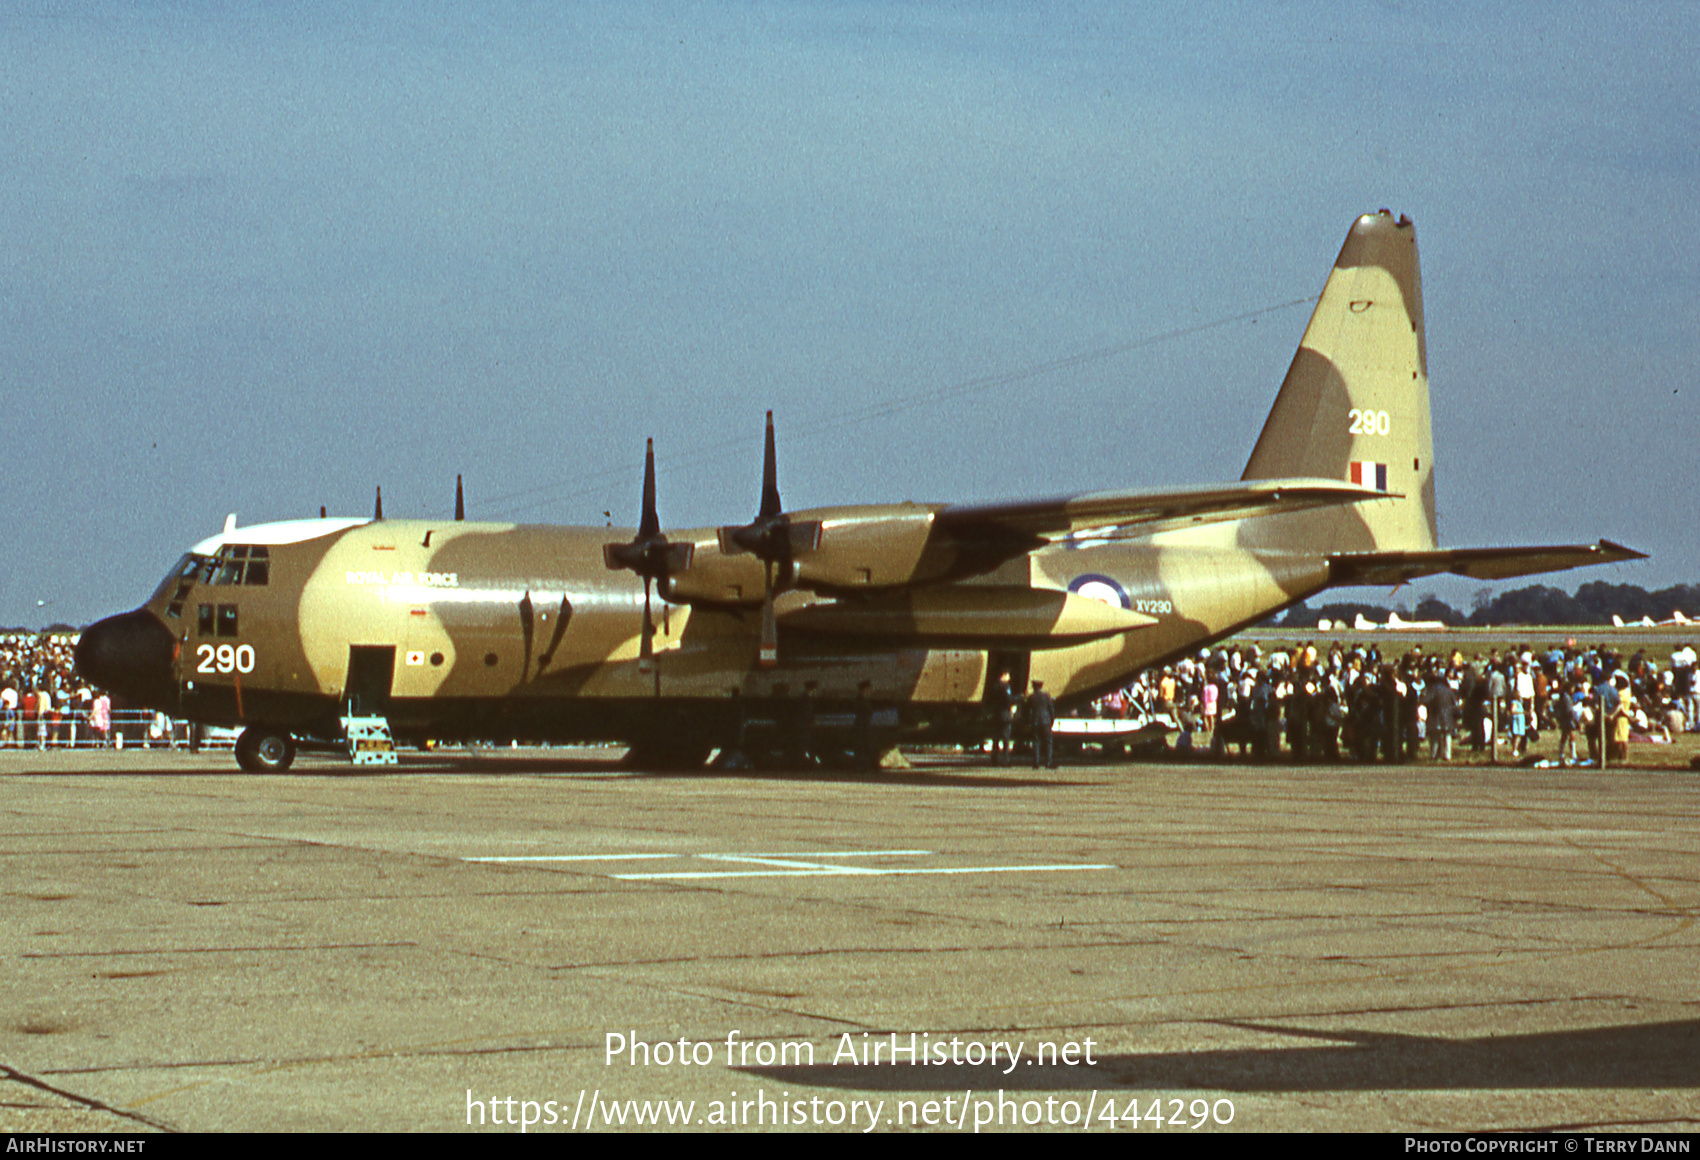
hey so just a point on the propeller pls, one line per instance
(775, 540)
(649, 554)
(378, 508)
(460, 501)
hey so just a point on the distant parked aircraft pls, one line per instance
(1395, 623)
(1677, 619)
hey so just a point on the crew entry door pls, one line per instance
(371, 670)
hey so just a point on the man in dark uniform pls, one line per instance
(1258, 715)
(1041, 715)
(1003, 706)
(1300, 711)
(862, 746)
(1442, 715)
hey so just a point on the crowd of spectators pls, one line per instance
(44, 704)
(1305, 704)
(1359, 704)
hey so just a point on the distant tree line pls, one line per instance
(1538, 604)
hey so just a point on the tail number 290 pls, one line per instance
(1369, 422)
(225, 658)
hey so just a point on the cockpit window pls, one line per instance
(240, 564)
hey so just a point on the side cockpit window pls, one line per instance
(181, 579)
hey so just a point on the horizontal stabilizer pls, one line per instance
(1478, 563)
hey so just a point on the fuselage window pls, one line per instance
(227, 620)
(204, 620)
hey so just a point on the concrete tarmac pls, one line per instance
(459, 941)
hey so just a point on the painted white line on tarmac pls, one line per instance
(635, 857)
(789, 864)
(572, 858)
(855, 872)
(827, 854)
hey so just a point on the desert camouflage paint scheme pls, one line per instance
(456, 630)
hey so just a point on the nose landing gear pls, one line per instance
(263, 750)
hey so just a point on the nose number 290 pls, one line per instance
(225, 658)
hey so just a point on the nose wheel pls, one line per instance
(262, 750)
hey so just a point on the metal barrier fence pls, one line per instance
(131, 729)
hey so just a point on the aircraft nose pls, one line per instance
(131, 654)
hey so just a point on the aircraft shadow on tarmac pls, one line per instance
(926, 778)
(475, 765)
(1649, 1055)
(934, 779)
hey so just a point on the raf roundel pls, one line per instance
(1094, 586)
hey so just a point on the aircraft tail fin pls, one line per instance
(1354, 404)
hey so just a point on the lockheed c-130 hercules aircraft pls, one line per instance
(455, 630)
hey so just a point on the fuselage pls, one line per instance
(457, 630)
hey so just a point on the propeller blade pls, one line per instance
(770, 505)
(527, 631)
(378, 508)
(646, 648)
(768, 656)
(650, 528)
(460, 501)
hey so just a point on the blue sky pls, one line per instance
(263, 257)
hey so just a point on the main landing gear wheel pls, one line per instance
(261, 750)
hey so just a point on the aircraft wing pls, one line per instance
(1478, 563)
(1124, 515)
